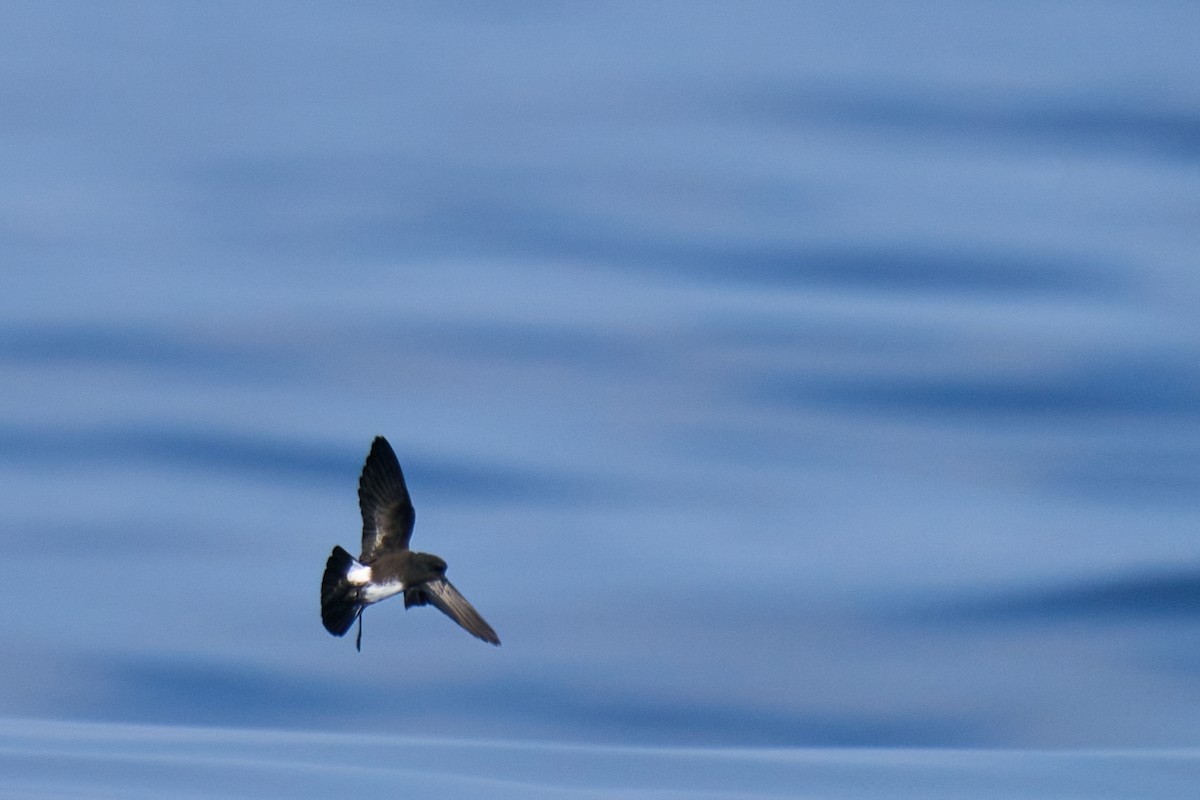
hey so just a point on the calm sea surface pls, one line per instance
(807, 393)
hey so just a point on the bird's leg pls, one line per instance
(358, 641)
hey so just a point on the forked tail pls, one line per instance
(339, 597)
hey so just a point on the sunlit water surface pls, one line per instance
(774, 378)
(41, 759)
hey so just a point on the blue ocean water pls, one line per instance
(812, 382)
(54, 759)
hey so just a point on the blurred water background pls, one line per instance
(771, 375)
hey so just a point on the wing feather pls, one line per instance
(387, 510)
(440, 593)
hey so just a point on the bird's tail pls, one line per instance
(339, 597)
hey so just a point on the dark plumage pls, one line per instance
(338, 606)
(386, 566)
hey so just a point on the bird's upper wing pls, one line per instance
(440, 593)
(387, 511)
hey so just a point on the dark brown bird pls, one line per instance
(386, 566)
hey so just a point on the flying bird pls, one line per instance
(386, 566)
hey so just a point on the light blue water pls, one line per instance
(41, 759)
(771, 376)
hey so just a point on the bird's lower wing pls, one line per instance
(442, 594)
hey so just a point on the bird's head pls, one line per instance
(431, 564)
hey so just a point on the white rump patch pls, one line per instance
(359, 574)
(381, 591)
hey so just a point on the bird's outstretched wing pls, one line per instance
(387, 511)
(441, 594)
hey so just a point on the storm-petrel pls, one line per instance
(386, 566)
